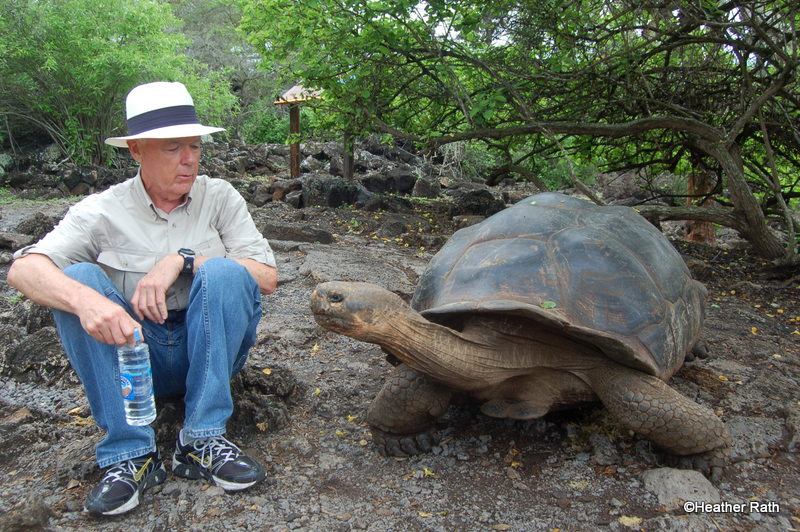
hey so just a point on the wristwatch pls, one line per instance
(188, 261)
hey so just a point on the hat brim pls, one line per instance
(169, 132)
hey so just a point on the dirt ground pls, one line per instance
(301, 410)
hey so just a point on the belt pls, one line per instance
(176, 316)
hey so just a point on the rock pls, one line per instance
(604, 451)
(14, 241)
(399, 180)
(673, 487)
(282, 187)
(753, 437)
(38, 358)
(37, 225)
(395, 225)
(469, 198)
(294, 232)
(332, 192)
(261, 195)
(30, 514)
(426, 188)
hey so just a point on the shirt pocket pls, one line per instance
(126, 268)
(213, 247)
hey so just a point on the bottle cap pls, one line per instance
(137, 336)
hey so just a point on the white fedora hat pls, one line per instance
(161, 110)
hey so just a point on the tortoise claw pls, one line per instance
(711, 463)
(401, 445)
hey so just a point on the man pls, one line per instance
(177, 256)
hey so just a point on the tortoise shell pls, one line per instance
(599, 274)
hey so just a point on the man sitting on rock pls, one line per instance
(177, 256)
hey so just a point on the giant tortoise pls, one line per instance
(551, 302)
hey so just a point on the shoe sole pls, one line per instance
(154, 479)
(193, 472)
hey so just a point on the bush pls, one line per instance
(265, 124)
(66, 66)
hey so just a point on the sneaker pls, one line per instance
(216, 460)
(123, 485)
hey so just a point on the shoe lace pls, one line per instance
(215, 452)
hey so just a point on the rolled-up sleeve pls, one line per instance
(238, 232)
(71, 240)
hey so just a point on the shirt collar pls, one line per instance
(143, 198)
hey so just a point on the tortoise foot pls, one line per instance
(401, 445)
(711, 463)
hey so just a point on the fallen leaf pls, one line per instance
(266, 371)
(425, 514)
(428, 473)
(351, 418)
(501, 527)
(262, 426)
(548, 304)
(723, 378)
(754, 330)
(630, 521)
(316, 392)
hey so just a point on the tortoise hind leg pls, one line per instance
(403, 413)
(646, 405)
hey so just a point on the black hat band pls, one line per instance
(164, 117)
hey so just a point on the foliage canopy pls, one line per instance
(66, 67)
(626, 84)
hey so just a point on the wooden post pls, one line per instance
(294, 147)
(293, 98)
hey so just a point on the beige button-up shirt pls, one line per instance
(121, 230)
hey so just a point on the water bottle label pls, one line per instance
(128, 392)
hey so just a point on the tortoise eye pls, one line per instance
(336, 298)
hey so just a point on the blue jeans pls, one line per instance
(195, 357)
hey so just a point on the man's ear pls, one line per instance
(135, 147)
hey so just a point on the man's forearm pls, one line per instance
(39, 279)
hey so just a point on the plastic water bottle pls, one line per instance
(136, 381)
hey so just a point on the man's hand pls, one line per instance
(107, 321)
(150, 298)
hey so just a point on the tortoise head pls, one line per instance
(360, 310)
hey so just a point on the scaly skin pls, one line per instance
(404, 411)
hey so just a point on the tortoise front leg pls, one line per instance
(403, 413)
(648, 406)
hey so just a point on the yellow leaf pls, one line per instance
(428, 473)
(754, 330)
(362, 443)
(630, 521)
(516, 464)
(341, 433)
(262, 426)
(408, 476)
(425, 514)
(351, 418)
(723, 378)
(76, 411)
(266, 371)
(316, 392)
(501, 527)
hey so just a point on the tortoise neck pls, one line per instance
(448, 356)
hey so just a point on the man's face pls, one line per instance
(168, 166)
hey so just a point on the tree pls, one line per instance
(637, 84)
(67, 66)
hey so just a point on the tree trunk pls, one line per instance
(753, 227)
(701, 183)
